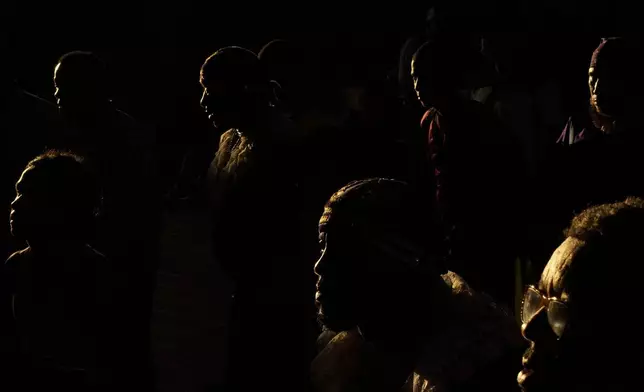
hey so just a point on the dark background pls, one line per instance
(155, 48)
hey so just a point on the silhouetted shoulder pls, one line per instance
(19, 259)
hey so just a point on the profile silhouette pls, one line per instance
(57, 292)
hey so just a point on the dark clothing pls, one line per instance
(122, 154)
(474, 346)
(57, 315)
(478, 182)
(605, 169)
(264, 238)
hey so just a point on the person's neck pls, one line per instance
(257, 126)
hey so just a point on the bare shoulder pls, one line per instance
(18, 257)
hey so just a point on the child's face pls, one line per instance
(36, 211)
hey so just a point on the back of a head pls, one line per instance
(612, 240)
(295, 65)
(235, 65)
(281, 58)
(384, 209)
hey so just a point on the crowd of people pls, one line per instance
(433, 199)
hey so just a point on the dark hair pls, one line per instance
(381, 206)
(68, 182)
(612, 236)
(608, 223)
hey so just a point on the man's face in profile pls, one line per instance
(425, 84)
(76, 94)
(566, 345)
(34, 211)
(222, 101)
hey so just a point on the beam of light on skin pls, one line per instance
(518, 288)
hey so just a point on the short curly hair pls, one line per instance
(609, 222)
(611, 238)
(68, 181)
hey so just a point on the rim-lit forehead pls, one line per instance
(202, 78)
(25, 180)
(554, 277)
(56, 71)
(324, 219)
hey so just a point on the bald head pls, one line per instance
(81, 82)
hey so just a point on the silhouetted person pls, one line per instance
(474, 162)
(122, 154)
(57, 302)
(258, 237)
(613, 103)
(397, 310)
(287, 63)
(607, 166)
(308, 91)
(27, 122)
(570, 319)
